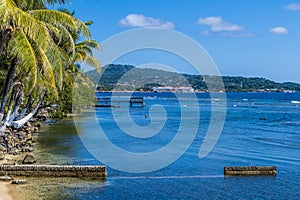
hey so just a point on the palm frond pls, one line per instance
(82, 53)
(32, 27)
(30, 4)
(53, 2)
(78, 58)
(46, 69)
(83, 29)
(88, 23)
(68, 42)
(58, 60)
(56, 33)
(90, 43)
(63, 38)
(68, 79)
(85, 49)
(6, 8)
(55, 17)
(93, 62)
(22, 49)
(43, 83)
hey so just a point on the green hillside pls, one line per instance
(127, 77)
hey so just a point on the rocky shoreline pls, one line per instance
(17, 145)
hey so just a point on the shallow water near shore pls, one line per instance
(260, 129)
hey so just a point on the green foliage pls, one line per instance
(73, 97)
(46, 45)
(83, 93)
(104, 87)
(111, 74)
(127, 77)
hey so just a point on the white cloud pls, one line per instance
(217, 24)
(293, 7)
(136, 20)
(279, 30)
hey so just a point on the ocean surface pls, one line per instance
(260, 129)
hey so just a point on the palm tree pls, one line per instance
(38, 44)
(84, 48)
(84, 53)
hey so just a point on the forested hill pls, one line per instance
(127, 77)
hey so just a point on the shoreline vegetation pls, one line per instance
(40, 59)
(40, 65)
(19, 144)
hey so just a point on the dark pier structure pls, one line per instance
(137, 100)
(54, 171)
(250, 171)
(108, 102)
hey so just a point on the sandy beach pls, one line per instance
(6, 188)
(4, 191)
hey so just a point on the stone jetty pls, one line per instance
(53, 171)
(250, 171)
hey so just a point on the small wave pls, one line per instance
(295, 102)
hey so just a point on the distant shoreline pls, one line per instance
(199, 92)
(131, 78)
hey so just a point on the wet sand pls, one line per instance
(5, 192)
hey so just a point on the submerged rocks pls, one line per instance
(38, 124)
(5, 178)
(18, 141)
(43, 114)
(28, 124)
(17, 181)
(29, 159)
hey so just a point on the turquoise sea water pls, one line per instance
(260, 129)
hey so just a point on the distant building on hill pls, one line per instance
(172, 89)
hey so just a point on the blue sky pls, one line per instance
(245, 38)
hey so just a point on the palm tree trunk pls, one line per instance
(29, 103)
(16, 98)
(21, 122)
(13, 115)
(7, 86)
(6, 35)
(8, 115)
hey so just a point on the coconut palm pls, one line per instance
(38, 44)
(84, 48)
(84, 53)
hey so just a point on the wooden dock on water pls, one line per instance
(108, 102)
(54, 171)
(137, 100)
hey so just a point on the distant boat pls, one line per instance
(297, 102)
